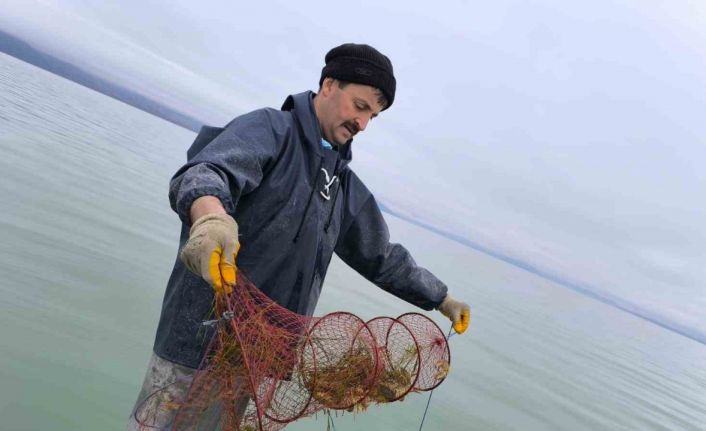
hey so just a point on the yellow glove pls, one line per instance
(211, 250)
(458, 312)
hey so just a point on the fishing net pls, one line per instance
(267, 366)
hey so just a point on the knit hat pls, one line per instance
(361, 64)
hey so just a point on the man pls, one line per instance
(284, 176)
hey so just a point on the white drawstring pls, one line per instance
(327, 185)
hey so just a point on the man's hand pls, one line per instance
(458, 312)
(211, 250)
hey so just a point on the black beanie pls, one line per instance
(361, 64)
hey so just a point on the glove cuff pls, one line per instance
(444, 303)
(219, 217)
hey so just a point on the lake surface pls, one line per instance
(87, 240)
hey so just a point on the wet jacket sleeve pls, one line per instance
(364, 244)
(230, 166)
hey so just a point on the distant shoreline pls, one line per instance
(583, 290)
(23, 51)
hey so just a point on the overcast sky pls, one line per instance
(568, 135)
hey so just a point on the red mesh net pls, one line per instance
(267, 366)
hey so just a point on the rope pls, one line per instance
(451, 333)
(330, 426)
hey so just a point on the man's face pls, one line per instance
(343, 112)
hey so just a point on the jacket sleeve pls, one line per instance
(364, 244)
(230, 166)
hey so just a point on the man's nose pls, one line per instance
(361, 123)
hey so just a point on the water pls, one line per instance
(88, 239)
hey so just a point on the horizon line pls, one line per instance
(585, 290)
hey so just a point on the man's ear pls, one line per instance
(327, 85)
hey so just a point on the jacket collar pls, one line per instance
(302, 107)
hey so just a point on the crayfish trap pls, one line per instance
(267, 366)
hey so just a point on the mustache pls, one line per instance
(352, 127)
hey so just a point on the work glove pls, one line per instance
(211, 250)
(458, 312)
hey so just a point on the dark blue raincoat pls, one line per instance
(273, 176)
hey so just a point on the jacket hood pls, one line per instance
(302, 107)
